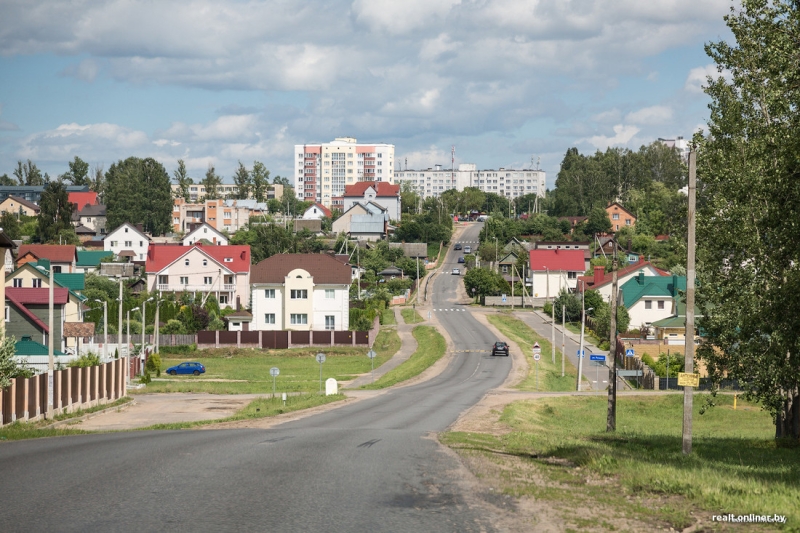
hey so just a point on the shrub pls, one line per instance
(145, 378)
(90, 359)
(154, 364)
(178, 350)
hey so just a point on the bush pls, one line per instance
(90, 359)
(178, 350)
(548, 309)
(145, 378)
(154, 364)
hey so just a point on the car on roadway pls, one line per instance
(187, 368)
(456, 272)
(468, 249)
(457, 246)
(461, 259)
(500, 348)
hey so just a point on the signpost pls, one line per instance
(504, 298)
(686, 379)
(581, 354)
(320, 360)
(371, 354)
(274, 371)
(629, 352)
(599, 360)
(537, 354)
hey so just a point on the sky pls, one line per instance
(509, 83)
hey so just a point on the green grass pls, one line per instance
(736, 466)
(410, 316)
(261, 408)
(589, 338)
(387, 318)
(549, 374)
(431, 347)
(248, 369)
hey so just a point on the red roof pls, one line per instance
(22, 296)
(325, 210)
(593, 282)
(569, 260)
(382, 188)
(159, 256)
(80, 199)
(56, 253)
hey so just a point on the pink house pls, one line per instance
(223, 271)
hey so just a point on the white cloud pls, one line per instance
(698, 77)
(654, 115)
(401, 17)
(622, 135)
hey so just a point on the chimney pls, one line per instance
(640, 278)
(641, 258)
(599, 273)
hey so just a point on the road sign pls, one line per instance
(629, 352)
(629, 373)
(596, 357)
(320, 358)
(371, 354)
(688, 380)
(581, 353)
(274, 371)
(536, 356)
(536, 348)
(504, 298)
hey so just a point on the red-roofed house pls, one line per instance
(553, 270)
(317, 212)
(601, 280)
(27, 313)
(223, 271)
(61, 257)
(380, 192)
(81, 199)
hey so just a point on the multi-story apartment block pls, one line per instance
(222, 215)
(323, 170)
(503, 181)
(197, 191)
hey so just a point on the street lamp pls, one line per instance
(128, 362)
(105, 328)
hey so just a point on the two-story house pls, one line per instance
(19, 206)
(385, 194)
(619, 216)
(552, 270)
(601, 281)
(651, 298)
(223, 271)
(301, 292)
(127, 241)
(27, 313)
(61, 257)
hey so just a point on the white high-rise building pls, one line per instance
(323, 170)
(503, 181)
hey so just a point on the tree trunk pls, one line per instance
(787, 423)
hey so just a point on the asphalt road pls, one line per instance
(368, 466)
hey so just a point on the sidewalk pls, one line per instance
(408, 345)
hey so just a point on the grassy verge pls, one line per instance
(261, 408)
(387, 317)
(589, 338)
(431, 347)
(549, 374)
(558, 451)
(410, 316)
(38, 429)
(246, 371)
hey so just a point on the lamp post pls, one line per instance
(155, 327)
(144, 324)
(580, 350)
(128, 363)
(105, 328)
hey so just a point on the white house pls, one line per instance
(380, 192)
(649, 299)
(601, 280)
(553, 270)
(303, 292)
(317, 212)
(127, 241)
(207, 233)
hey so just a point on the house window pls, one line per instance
(128, 243)
(627, 222)
(299, 318)
(269, 318)
(36, 283)
(113, 244)
(8, 314)
(184, 280)
(615, 216)
(269, 293)
(661, 304)
(229, 259)
(223, 298)
(141, 243)
(299, 294)
(572, 275)
(17, 283)
(207, 280)
(330, 322)
(330, 294)
(205, 262)
(648, 304)
(505, 269)
(56, 270)
(163, 280)
(186, 262)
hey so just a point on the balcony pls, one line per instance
(200, 287)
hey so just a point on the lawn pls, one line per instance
(430, 348)
(549, 374)
(387, 318)
(736, 466)
(410, 316)
(247, 371)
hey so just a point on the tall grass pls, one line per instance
(430, 348)
(410, 316)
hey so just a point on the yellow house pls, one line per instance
(20, 206)
(619, 216)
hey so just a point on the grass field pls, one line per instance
(246, 371)
(549, 374)
(410, 316)
(561, 451)
(431, 347)
(387, 318)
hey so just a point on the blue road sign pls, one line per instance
(581, 353)
(596, 357)
(629, 352)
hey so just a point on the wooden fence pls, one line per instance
(281, 340)
(648, 380)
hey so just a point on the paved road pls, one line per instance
(368, 466)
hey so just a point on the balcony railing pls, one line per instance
(177, 287)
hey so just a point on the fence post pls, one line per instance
(11, 400)
(22, 398)
(57, 391)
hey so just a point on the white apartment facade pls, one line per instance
(503, 181)
(323, 170)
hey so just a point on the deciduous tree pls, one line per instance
(183, 181)
(55, 213)
(138, 191)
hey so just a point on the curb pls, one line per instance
(93, 414)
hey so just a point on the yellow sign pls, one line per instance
(688, 380)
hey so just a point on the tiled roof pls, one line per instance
(78, 329)
(22, 296)
(92, 258)
(569, 260)
(382, 188)
(159, 256)
(325, 210)
(241, 315)
(56, 253)
(322, 267)
(608, 276)
(131, 227)
(92, 211)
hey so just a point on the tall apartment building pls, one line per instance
(222, 215)
(197, 191)
(323, 170)
(505, 182)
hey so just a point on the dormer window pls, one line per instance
(229, 259)
(186, 262)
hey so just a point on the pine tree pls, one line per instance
(55, 213)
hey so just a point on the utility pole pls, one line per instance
(563, 335)
(580, 349)
(119, 327)
(688, 392)
(50, 351)
(552, 318)
(611, 417)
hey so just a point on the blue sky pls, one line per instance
(216, 82)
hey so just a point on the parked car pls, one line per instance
(500, 348)
(457, 246)
(461, 259)
(456, 272)
(187, 368)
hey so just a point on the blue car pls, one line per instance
(187, 368)
(461, 259)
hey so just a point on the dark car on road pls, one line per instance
(457, 246)
(500, 348)
(187, 368)
(461, 259)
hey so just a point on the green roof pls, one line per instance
(27, 346)
(640, 286)
(71, 281)
(92, 258)
(678, 321)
